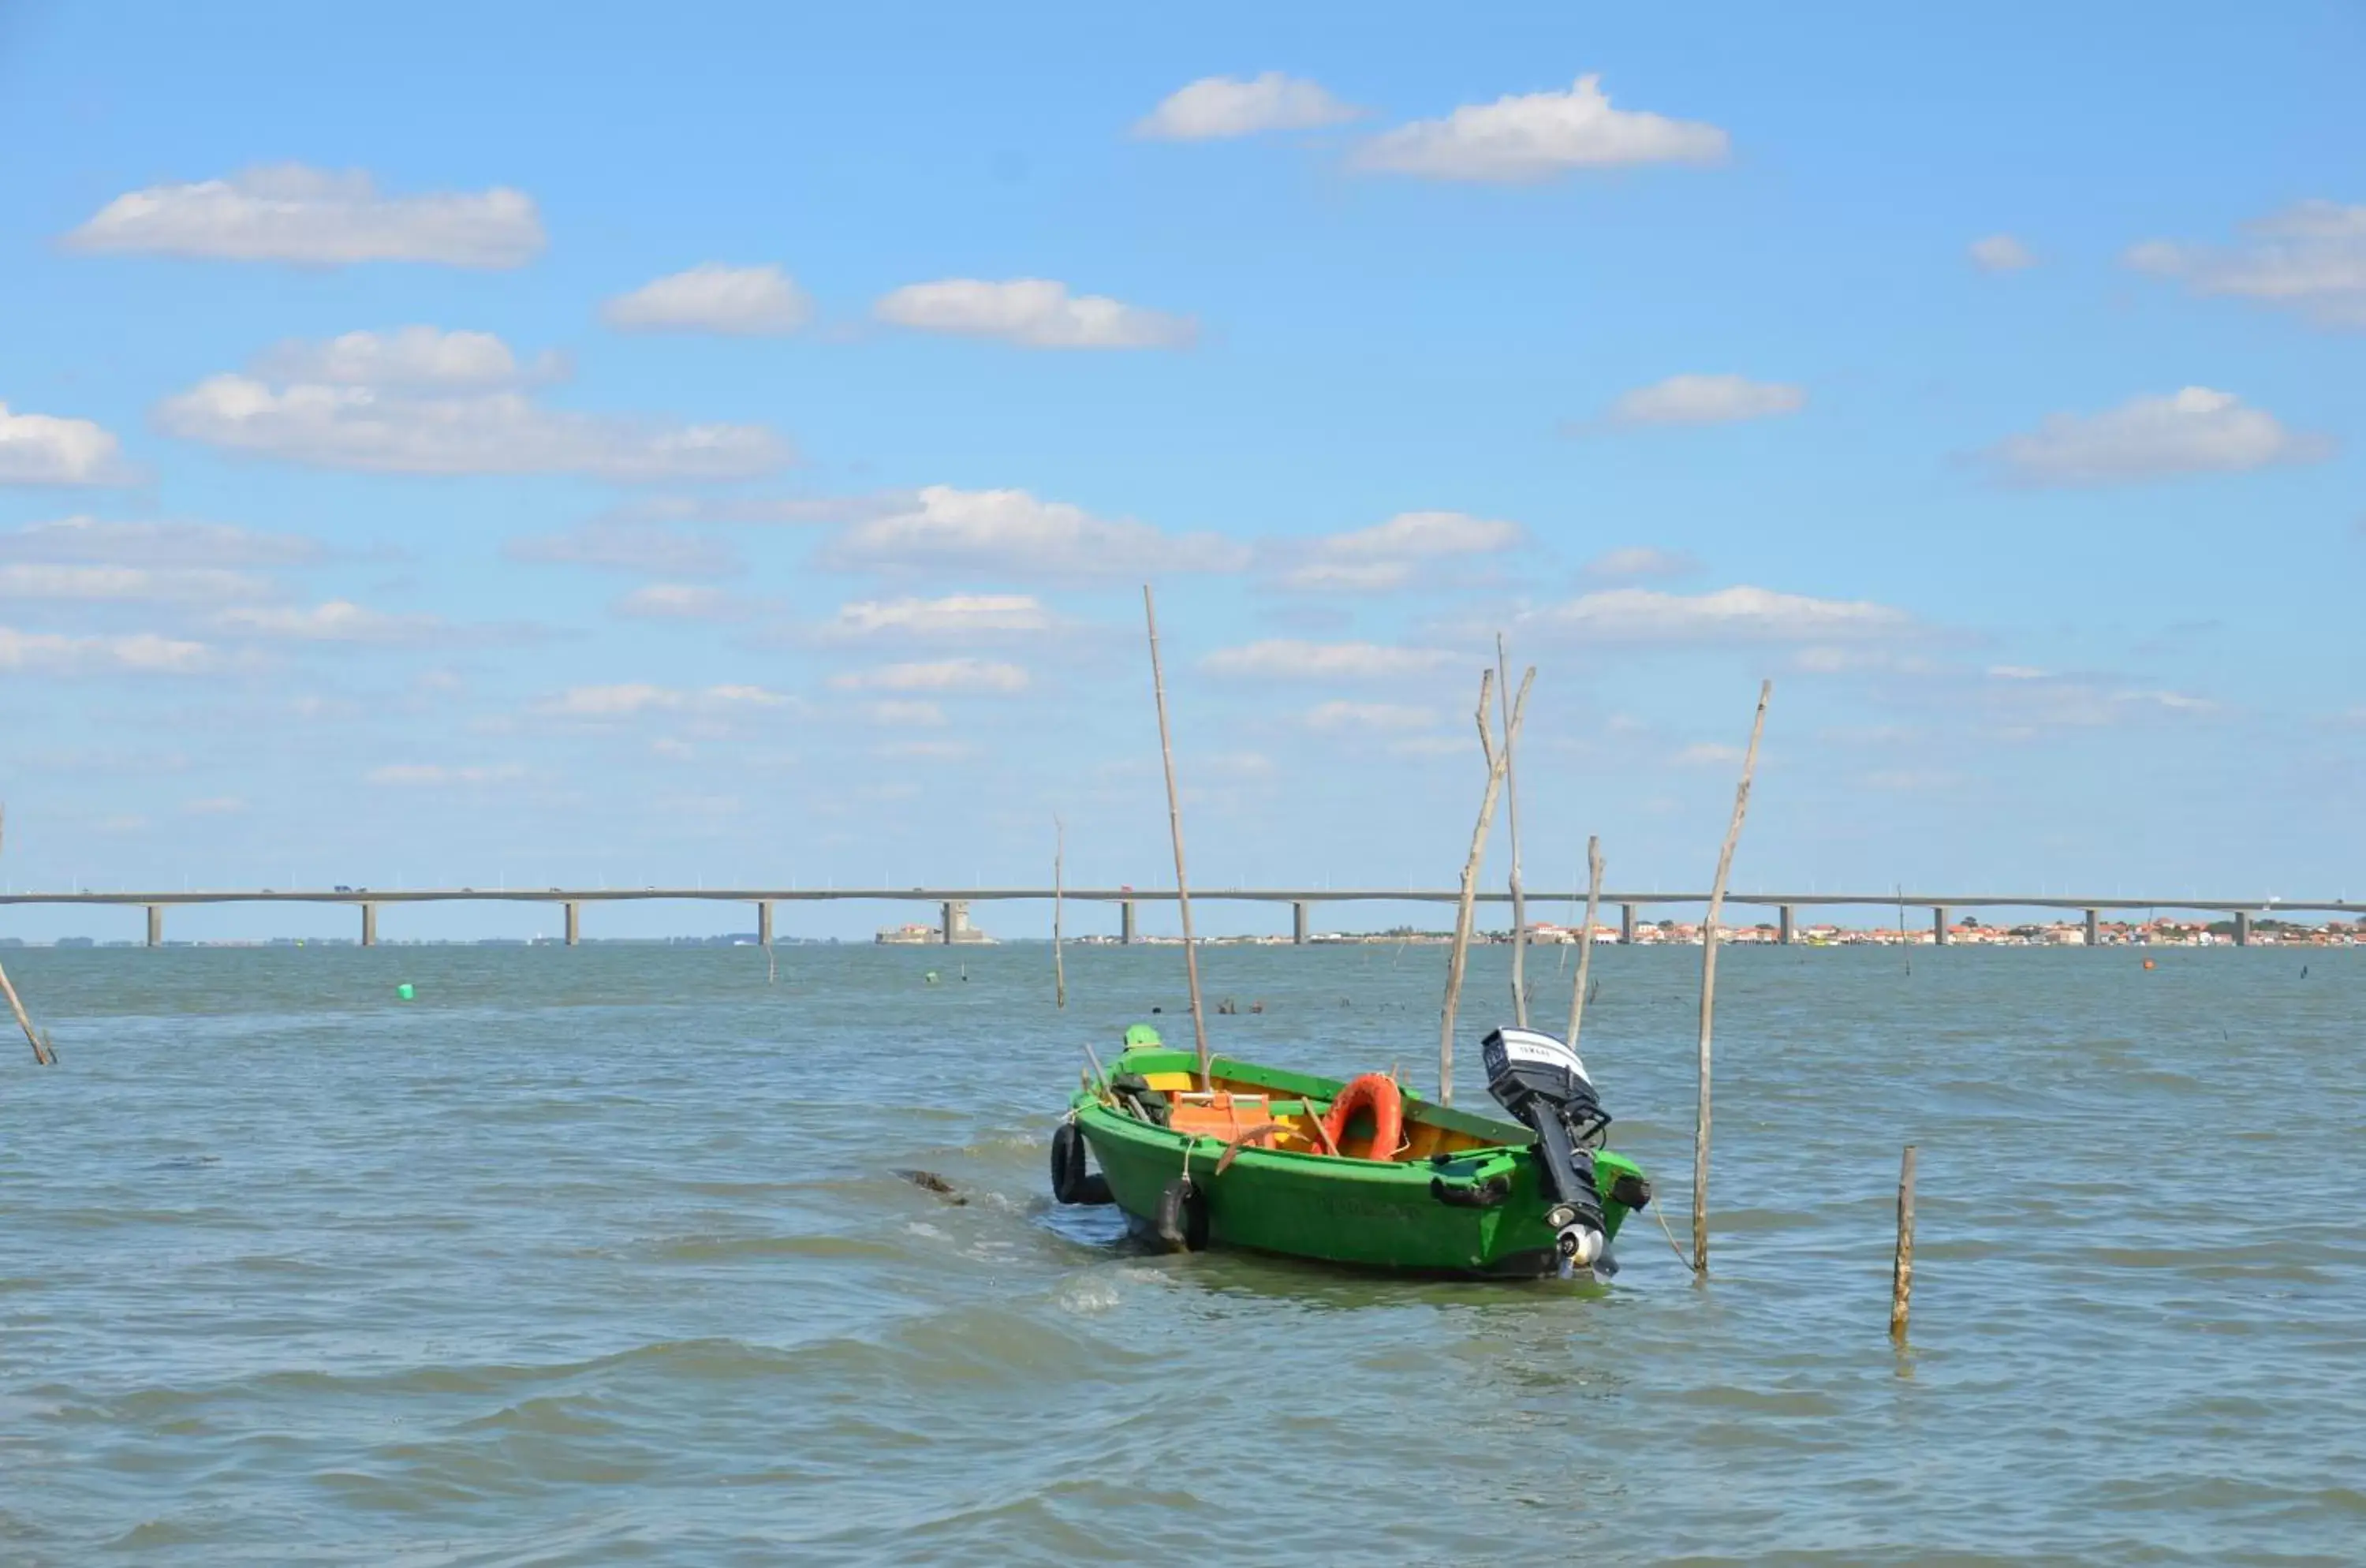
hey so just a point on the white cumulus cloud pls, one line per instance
(42, 449)
(497, 432)
(69, 583)
(1739, 614)
(905, 714)
(2311, 257)
(1399, 553)
(683, 602)
(1285, 659)
(1538, 135)
(155, 544)
(405, 357)
(954, 616)
(1032, 312)
(1639, 563)
(712, 298)
(1217, 106)
(2000, 253)
(944, 529)
(139, 654)
(317, 218)
(937, 675)
(1707, 399)
(337, 620)
(632, 699)
(2197, 430)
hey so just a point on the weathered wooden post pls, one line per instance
(1511, 820)
(1901, 1272)
(43, 1056)
(1708, 983)
(1059, 900)
(1585, 936)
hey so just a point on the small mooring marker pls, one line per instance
(1901, 1273)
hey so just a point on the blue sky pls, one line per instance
(556, 444)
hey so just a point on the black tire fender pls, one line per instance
(1071, 1182)
(1181, 1220)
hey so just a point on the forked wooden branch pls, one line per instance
(1459, 958)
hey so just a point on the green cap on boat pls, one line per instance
(1141, 1034)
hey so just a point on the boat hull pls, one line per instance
(1417, 1217)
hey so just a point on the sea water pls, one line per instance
(601, 1255)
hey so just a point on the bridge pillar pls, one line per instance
(2094, 928)
(1939, 925)
(1125, 923)
(2242, 927)
(156, 925)
(956, 920)
(1627, 925)
(1298, 924)
(1786, 925)
(764, 922)
(369, 925)
(574, 923)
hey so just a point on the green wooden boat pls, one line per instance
(1249, 1158)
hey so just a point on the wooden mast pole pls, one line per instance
(1708, 983)
(1512, 820)
(1175, 831)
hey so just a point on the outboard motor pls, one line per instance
(1543, 1085)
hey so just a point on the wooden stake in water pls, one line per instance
(1511, 820)
(1059, 898)
(42, 1055)
(1901, 1273)
(1708, 983)
(1457, 959)
(1585, 935)
(1175, 831)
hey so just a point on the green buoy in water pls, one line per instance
(404, 991)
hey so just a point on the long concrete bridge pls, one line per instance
(953, 904)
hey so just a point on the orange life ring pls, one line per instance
(1377, 1092)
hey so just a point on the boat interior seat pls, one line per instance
(1227, 1116)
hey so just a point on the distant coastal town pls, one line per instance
(1968, 932)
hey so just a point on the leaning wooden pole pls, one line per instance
(42, 1055)
(1175, 831)
(1709, 982)
(1901, 1272)
(1059, 898)
(1465, 908)
(1511, 820)
(1585, 936)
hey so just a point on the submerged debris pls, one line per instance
(930, 1181)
